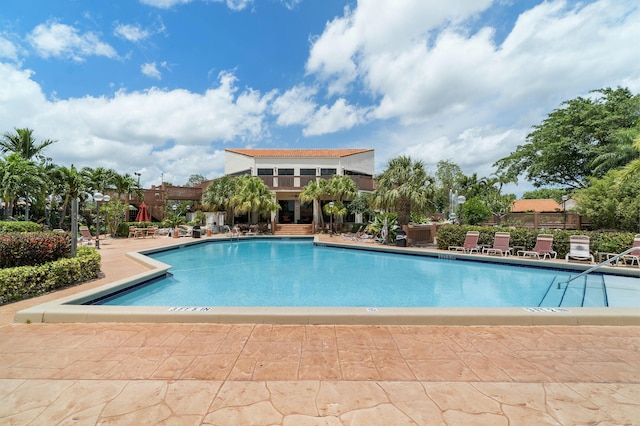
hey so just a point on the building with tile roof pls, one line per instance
(535, 205)
(287, 171)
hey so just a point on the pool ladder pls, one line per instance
(598, 266)
(590, 291)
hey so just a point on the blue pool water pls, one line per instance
(260, 272)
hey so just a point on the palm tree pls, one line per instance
(315, 191)
(69, 186)
(218, 196)
(404, 187)
(342, 188)
(621, 152)
(336, 209)
(98, 179)
(252, 195)
(23, 144)
(72, 185)
(19, 177)
(633, 167)
(125, 184)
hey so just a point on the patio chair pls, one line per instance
(135, 232)
(634, 255)
(85, 235)
(500, 244)
(579, 248)
(470, 243)
(543, 247)
(352, 236)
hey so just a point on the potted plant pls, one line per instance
(173, 221)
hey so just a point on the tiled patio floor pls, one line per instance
(191, 374)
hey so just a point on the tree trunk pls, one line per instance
(74, 227)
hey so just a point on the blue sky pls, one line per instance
(162, 87)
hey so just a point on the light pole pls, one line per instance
(564, 211)
(331, 219)
(98, 196)
(460, 200)
(175, 229)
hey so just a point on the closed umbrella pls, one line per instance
(143, 214)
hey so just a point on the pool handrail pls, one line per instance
(598, 266)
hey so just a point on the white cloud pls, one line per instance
(167, 4)
(130, 32)
(442, 91)
(169, 129)
(164, 4)
(290, 4)
(151, 70)
(415, 57)
(295, 106)
(63, 41)
(339, 116)
(8, 50)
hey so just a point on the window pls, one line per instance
(307, 172)
(265, 172)
(327, 172)
(285, 172)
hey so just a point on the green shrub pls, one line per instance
(14, 226)
(33, 248)
(30, 281)
(601, 242)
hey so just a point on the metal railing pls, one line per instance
(598, 266)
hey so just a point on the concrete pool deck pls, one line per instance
(242, 374)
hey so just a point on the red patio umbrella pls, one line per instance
(143, 214)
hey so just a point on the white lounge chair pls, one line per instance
(579, 248)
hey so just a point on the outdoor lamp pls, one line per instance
(98, 196)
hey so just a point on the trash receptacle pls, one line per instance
(195, 232)
(401, 239)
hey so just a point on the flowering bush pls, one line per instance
(33, 248)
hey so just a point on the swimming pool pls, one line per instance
(623, 295)
(297, 273)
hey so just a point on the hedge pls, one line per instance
(601, 242)
(31, 281)
(33, 248)
(18, 226)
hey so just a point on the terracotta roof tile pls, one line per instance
(539, 205)
(304, 153)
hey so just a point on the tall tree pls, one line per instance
(217, 196)
(632, 169)
(562, 149)
(315, 192)
(403, 187)
(252, 195)
(611, 203)
(195, 180)
(447, 175)
(125, 185)
(341, 188)
(70, 185)
(98, 179)
(24, 144)
(19, 177)
(620, 152)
